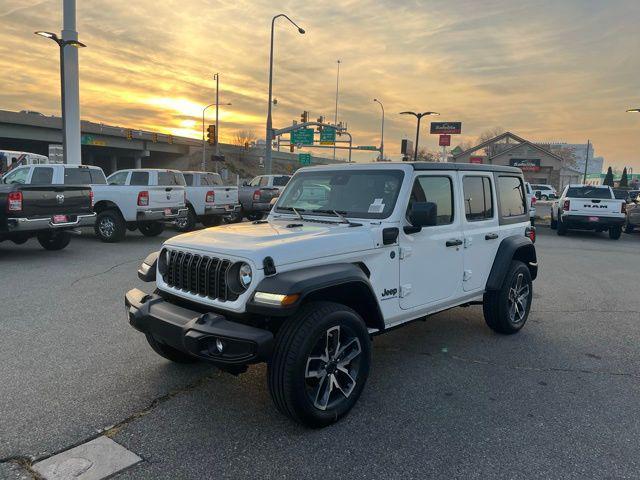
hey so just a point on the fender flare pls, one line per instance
(309, 281)
(512, 248)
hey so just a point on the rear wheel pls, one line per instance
(544, 197)
(187, 223)
(562, 226)
(168, 352)
(320, 363)
(628, 227)
(211, 221)
(151, 229)
(253, 217)
(54, 240)
(110, 227)
(615, 232)
(506, 310)
(554, 223)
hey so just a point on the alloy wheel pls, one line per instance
(107, 227)
(518, 299)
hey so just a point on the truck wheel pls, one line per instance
(628, 227)
(320, 363)
(188, 223)
(54, 240)
(168, 352)
(562, 227)
(254, 217)
(507, 309)
(554, 223)
(544, 197)
(234, 218)
(151, 229)
(211, 221)
(615, 232)
(110, 226)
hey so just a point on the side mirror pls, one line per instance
(422, 214)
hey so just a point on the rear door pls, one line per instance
(168, 191)
(431, 261)
(481, 228)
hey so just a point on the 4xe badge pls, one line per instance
(389, 293)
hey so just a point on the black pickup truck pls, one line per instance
(47, 212)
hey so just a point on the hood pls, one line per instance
(286, 241)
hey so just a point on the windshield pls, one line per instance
(357, 193)
(588, 192)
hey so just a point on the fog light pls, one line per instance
(219, 345)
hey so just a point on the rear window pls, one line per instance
(211, 179)
(588, 192)
(280, 181)
(77, 176)
(168, 179)
(512, 197)
(139, 179)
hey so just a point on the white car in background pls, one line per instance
(544, 192)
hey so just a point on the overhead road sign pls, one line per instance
(446, 128)
(328, 136)
(367, 147)
(304, 158)
(302, 136)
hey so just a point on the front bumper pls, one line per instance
(221, 209)
(46, 223)
(583, 221)
(195, 333)
(160, 214)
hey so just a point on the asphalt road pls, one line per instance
(446, 398)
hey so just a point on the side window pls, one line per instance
(97, 176)
(478, 198)
(512, 197)
(42, 176)
(438, 190)
(139, 179)
(77, 176)
(188, 177)
(19, 175)
(118, 178)
(255, 182)
(264, 181)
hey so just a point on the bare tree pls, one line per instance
(425, 155)
(244, 137)
(568, 156)
(488, 135)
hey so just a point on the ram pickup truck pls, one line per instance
(256, 196)
(209, 201)
(348, 251)
(588, 207)
(46, 212)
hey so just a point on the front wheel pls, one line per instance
(506, 310)
(151, 229)
(615, 232)
(320, 363)
(54, 240)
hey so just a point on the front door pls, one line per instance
(431, 261)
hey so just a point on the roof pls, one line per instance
(515, 137)
(481, 167)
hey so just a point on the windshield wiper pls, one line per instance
(296, 211)
(338, 213)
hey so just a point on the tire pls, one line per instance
(110, 227)
(151, 229)
(54, 240)
(562, 226)
(615, 232)
(211, 221)
(628, 227)
(188, 223)
(254, 217)
(554, 223)
(296, 385)
(168, 352)
(544, 197)
(502, 313)
(234, 218)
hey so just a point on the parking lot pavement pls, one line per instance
(446, 398)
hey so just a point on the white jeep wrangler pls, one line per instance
(348, 252)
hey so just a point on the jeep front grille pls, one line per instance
(197, 274)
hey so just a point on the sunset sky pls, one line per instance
(543, 69)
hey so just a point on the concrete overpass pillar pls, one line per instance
(138, 160)
(114, 163)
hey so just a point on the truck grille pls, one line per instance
(197, 274)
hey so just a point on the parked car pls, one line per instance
(588, 207)
(209, 201)
(544, 192)
(256, 195)
(625, 194)
(632, 221)
(44, 211)
(531, 201)
(142, 199)
(347, 252)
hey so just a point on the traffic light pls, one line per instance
(292, 147)
(304, 117)
(129, 135)
(154, 138)
(211, 134)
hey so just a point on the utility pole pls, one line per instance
(586, 164)
(335, 119)
(382, 131)
(71, 86)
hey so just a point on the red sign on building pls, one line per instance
(445, 140)
(475, 159)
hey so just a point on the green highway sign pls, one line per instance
(302, 136)
(328, 136)
(366, 147)
(304, 158)
(90, 140)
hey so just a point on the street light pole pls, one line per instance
(63, 110)
(204, 141)
(269, 135)
(217, 77)
(335, 118)
(382, 132)
(419, 117)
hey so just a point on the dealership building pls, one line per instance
(539, 164)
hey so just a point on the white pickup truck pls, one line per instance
(588, 207)
(143, 199)
(209, 201)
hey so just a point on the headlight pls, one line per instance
(245, 275)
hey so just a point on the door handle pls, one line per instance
(491, 236)
(456, 242)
